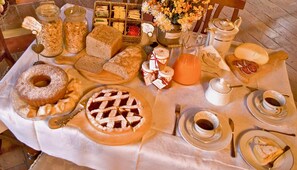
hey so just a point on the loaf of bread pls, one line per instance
(90, 64)
(265, 149)
(104, 42)
(252, 52)
(126, 63)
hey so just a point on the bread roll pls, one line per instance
(126, 63)
(252, 52)
(104, 42)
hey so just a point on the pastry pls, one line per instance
(113, 110)
(42, 84)
(126, 63)
(104, 42)
(134, 14)
(119, 12)
(101, 11)
(102, 21)
(119, 26)
(265, 149)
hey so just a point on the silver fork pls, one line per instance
(270, 164)
(177, 115)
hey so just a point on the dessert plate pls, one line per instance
(283, 162)
(254, 105)
(217, 142)
(32, 113)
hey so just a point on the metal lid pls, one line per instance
(75, 11)
(47, 12)
(223, 24)
(220, 85)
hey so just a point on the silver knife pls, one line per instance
(231, 123)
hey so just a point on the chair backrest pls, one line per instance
(4, 52)
(218, 5)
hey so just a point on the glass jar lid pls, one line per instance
(47, 12)
(75, 11)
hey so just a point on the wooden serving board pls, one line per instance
(104, 77)
(81, 122)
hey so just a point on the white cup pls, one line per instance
(273, 101)
(206, 123)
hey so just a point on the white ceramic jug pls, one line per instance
(218, 92)
(221, 32)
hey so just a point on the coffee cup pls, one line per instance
(206, 123)
(273, 101)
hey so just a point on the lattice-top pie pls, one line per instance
(114, 110)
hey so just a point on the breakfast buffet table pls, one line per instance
(159, 149)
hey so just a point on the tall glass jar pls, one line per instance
(75, 29)
(51, 35)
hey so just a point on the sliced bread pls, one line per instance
(90, 64)
(126, 63)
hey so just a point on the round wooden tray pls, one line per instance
(81, 122)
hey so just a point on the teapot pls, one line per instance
(218, 92)
(220, 34)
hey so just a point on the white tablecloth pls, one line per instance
(158, 148)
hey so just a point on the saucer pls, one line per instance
(255, 107)
(284, 162)
(280, 115)
(217, 142)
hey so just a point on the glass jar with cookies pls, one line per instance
(75, 28)
(51, 36)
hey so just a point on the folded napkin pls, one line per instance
(163, 151)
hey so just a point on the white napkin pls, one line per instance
(163, 151)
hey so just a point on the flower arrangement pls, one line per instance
(167, 13)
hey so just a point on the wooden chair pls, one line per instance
(218, 5)
(4, 52)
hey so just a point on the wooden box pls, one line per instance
(118, 19)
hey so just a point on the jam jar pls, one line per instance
(51, 34)
(75, 29)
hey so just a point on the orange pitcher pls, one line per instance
(187, 69)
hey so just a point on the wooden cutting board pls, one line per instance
(104, 77)
(274, 58)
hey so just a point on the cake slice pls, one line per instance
(265, 149)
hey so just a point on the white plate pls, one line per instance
(253, 104)
(217, 142)
(283, 162)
